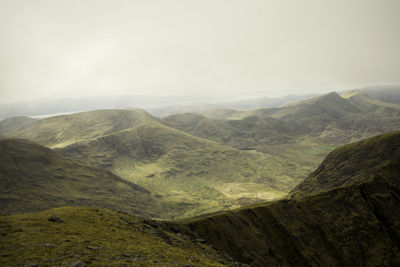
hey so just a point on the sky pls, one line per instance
(52, 48)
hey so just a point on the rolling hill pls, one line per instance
(60, 131)
(15, 124)
(345, 214)
(224, 108)
(200, 165)
(193, 175)
(334, 119)
(245, 133)
(33, 177)
(303, 132)
(222, 114)
(201, 175)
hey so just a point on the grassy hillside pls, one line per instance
(196, 176)
(196, 108)
(225, 108)
(96, 237)
(60, 131)
(353, 223)
(245, 133)
(334, 119)
(303, 132)
(15, 124)
(353, 164)
(33, 177)
(223, 114)
(202, 176)
(193, 175)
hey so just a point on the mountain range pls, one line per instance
(191, 174)
(194, 165)
(261, 187)
(345, 213)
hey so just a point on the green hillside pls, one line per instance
(33, 178)
(353, 164)
(202, 176)
(97, 237)
(223, 114)
(245, 133)
(15, 124)
(192, 175)
(60, 131)
(353, 221)
(259, 157)
(333, 119)
(303, 132)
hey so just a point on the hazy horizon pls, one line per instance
(196, 48)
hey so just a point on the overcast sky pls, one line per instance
(167, 47)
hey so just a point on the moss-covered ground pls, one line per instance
(96, 237)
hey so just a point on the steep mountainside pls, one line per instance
(354, 220)
(33, 178)
(354, 164)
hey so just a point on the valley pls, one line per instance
(199, 133)
(190, 173)
(276, 186)
(345, 213)
(325, 221)
(193, 165)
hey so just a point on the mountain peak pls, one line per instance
(332, 96)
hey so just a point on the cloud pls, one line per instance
(58, 48)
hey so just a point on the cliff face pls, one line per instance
(355, 222)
